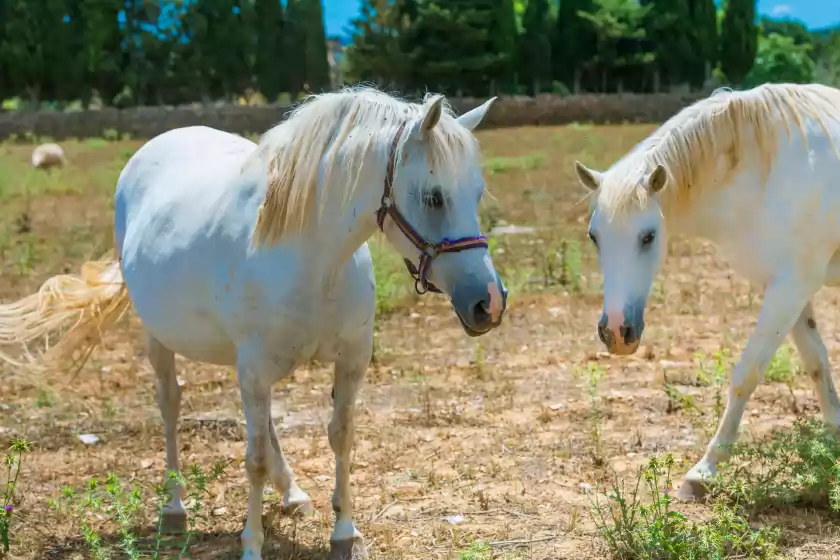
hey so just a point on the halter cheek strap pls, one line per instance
(428, 251)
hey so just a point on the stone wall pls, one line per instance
(145, 122)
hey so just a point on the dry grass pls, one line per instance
(498, 429)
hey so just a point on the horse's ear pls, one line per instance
(657, 179)
(589, 178)
(434, 110)
(472, 118)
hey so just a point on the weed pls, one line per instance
(640, 523)
(477, 550)
(596, 415)
(121, 504)
(795, 465)
(12, 460)
(394, 286)
(570, 264)
(781, 368)
(676, 399)
(498, 165)
(713, 372)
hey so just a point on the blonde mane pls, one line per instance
(356, 123)
(703, 145)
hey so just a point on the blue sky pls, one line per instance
(814, 13)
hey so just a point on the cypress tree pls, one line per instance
(294, 42)
(670, 27)
(503, 38)
(704, 24)
(738, 40)
(307, 46)
(573, 43)
(536, 46)
(269, 56)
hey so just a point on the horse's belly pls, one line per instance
(173, 311)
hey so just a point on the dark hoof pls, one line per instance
(173, 523)
(692, 491)
(299, 509)
(353, 549)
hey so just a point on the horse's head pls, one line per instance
(629, 232)
(430, 213)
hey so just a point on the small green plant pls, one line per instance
(640, 523)
(795, 465)
(394, 286)
(712, 371)
(498, 165)
(781, 368)
(596, 415)
(118, 503)
(13, 460)
(571, 264)
(477, 550)
(676, 399)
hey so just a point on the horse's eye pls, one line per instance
(433, 199)
(647, 238)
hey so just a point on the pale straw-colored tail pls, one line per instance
(88, 303)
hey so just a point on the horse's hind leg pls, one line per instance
(169, 401)
(295, 500)
(815, 359)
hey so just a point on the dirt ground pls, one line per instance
(497, 430)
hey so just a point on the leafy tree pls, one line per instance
(780, 59)
(503, 34)
(738, 40)
(671, 29)
(449, 46)
(573, 42)
(376, 53)
(270, 48)
(102, 50)
(827, 56)
(317, 68)
(536, 45)
(705, 39)
(614, 21)
(787, 27)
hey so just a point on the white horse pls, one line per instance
(757, 172)
(256, 256)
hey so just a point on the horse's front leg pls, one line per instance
(346, 541)
(784, 300)
(256, 376)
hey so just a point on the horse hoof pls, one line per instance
(351, 549)
(173, 523)
(298, 509)
(692, 491)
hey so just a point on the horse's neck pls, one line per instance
(718, 212)
(342, 229)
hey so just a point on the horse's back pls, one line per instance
(183, 214)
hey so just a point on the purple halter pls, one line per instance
(428, 251)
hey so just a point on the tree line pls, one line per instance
(476, 47)
(141, 52)
(165, 51)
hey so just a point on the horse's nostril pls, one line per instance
(627, 333)
(603, 333)
(481, 313)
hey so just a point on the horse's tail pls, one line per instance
(95, 300)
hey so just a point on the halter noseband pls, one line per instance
(428, 251)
